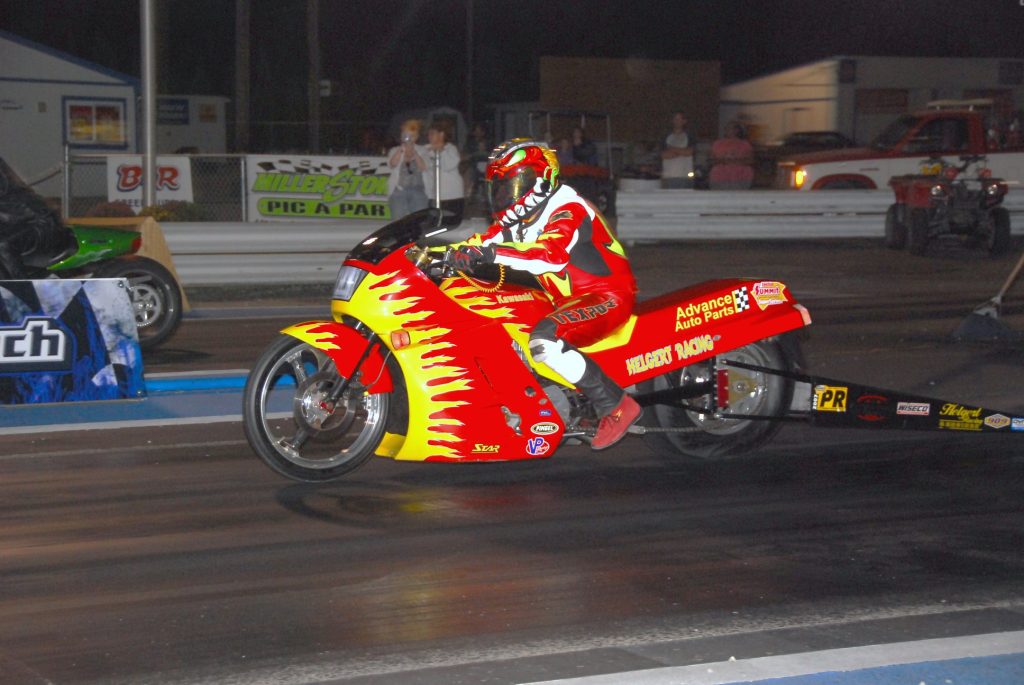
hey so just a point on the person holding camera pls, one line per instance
(408, 164)
(443, 158)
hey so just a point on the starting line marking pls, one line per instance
(827, 663)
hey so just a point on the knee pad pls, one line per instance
(558, 355)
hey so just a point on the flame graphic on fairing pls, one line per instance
(442, 382)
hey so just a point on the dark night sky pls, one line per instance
(390, 54)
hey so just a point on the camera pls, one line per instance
(406, 137)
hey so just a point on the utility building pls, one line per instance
(859, 96)
(49, 98)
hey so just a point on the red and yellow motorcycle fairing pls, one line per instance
(463, 377)
(467, 383)
(692, 324)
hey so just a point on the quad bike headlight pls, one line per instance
(349, 278)
(938, 190)
(992, 189)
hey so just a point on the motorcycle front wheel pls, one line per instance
(155, 297)
(752, 393)
(288, 420)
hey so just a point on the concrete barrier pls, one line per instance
(310, 252)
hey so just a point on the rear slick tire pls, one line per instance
(287, 426)
(750, 392)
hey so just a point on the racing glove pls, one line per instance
(468, 257)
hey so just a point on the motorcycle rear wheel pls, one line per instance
(753, 393)
(155, 296)
(289, 427)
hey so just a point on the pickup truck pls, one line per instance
(901, 149)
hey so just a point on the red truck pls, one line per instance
(947, 130)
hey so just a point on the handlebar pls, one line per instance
(434, 263)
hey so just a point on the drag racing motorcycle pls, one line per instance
(35, 244)
(423, 363)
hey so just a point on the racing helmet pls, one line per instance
(521, 174)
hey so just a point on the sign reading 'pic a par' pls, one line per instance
(290, 188)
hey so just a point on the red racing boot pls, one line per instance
(613, 427)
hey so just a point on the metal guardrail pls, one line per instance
(254, 253)
(212, 253)
(752, 214)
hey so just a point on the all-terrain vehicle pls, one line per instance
(946, 200)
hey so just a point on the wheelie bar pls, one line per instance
(828, 402)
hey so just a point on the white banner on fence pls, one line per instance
(290, 188)
(125, 179)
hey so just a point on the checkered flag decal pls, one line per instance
(741, 298)
(308, 166)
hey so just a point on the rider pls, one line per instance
(28, 226)
(546, 228)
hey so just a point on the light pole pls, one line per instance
(148, 104)
(469, 63)
(243, 61)
(313, 86)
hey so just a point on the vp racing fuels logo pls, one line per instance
(36, 344)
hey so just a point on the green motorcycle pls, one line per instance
(35, 243)
(110, 253)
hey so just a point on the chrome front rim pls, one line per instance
(299, 419)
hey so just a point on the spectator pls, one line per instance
(408, 177)
(563, 151)
(583, 150)
(441, 153)
(732, 160)
(1013, 138)
(677, 155)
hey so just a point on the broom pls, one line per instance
(983, 323)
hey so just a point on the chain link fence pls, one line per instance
(218, 192)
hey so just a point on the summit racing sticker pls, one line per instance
(767, 293)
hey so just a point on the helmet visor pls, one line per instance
(502, 193)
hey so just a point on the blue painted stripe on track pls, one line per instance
(1007, 669)
(194, 383)
(988, 659)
